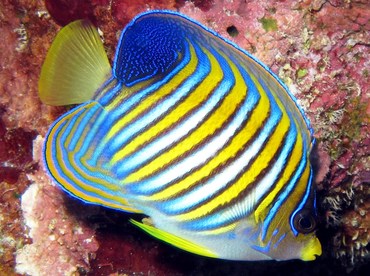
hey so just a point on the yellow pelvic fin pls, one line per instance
(174, 240)
(76, 65)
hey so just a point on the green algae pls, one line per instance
(268, 24)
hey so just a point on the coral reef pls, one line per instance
(321, 50)
(59, 241)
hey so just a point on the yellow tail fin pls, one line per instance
(75, 67)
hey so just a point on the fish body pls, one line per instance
(187, 129)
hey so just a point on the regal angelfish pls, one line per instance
(187, 129)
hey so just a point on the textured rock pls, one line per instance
(60, 242)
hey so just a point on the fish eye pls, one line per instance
(304, 221)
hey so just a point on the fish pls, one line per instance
(187, 129)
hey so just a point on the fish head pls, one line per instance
(287, 230)
(297, 241)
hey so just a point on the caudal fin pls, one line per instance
(75, 67)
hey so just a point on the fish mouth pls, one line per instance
(312, 250)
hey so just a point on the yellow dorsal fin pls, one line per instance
(75, 67)
(174, 240)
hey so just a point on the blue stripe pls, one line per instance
(131, 130)
(228, 174)
(201, 155)
(284, 195)
(70, 167)
(302, 204)
(68, 126)
(117, 142)
(109, 95)
(94, 134)
(235, 213)
(181, 130)
(108, 147)
(58, 142)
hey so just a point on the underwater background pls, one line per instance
(320, 49)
